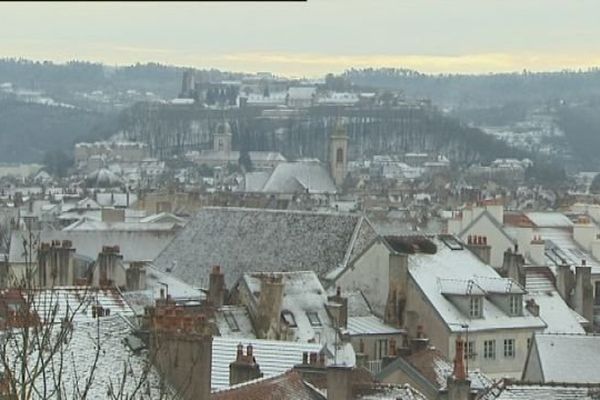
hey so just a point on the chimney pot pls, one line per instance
(240, 352)
(338, 291)
(583, 262)
(249, 351)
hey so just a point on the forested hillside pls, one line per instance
(28, 131)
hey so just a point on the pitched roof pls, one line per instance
(273, 356)
(557, 315)
(452, 262)
(579, 352)
(134, 245)
(243, 240)
(288, 385)
(547, 392)
(494, 221)
(300, 176)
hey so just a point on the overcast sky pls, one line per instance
(314, 37)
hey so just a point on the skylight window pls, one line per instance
(231, 322)
(313, 318)
(289, 319)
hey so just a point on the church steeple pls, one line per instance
(338, 154)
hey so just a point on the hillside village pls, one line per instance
(226, 273)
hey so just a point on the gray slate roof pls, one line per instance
(244, 240)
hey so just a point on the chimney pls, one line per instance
(532, 307)
(396, 296)
(458, 386)
(564, 281)
(537, 249)
(108, 268)
(113, 215)
(216, 287)
(135, 276)
(512, 265)
(269, 307)
(479, 246)
(595, 247)
(582, 299)
(338, 308)
(181, 347)
(420, 342)
(584, 232)
(339, 384)
(244, 368)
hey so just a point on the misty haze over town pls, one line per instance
(314, 200)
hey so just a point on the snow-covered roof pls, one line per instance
(273, 356)
(110, 333)
(242, 240)
(300, 176)
(557, 315)
(549, 219)
(451, 262)
(303, 294)
(134, 246)
(370, 325)
(518, 391)
(568, 358)
(234, 321)
(93, 225)
(302, 92)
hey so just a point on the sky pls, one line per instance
(314, 37)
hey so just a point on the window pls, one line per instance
(475, 307)
(509, 348)
(470, 350)
(231, 322)
(339, 156)
(289, 319)
(489, 349)
(381, 349)
(515, 305)
(313, 318)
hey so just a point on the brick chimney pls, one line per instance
(181, 349)
(480, 247)
(216, 287)
(338, 309)
(244, 368)
(583, 294)
(269, 307)
(420, 342)
(339, 383)
(458, 386)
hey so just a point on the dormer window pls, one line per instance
(515, 304)
(313, 318)
(475, 306)
(289, 319)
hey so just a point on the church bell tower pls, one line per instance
(338, 154)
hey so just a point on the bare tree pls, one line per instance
(39, 353)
